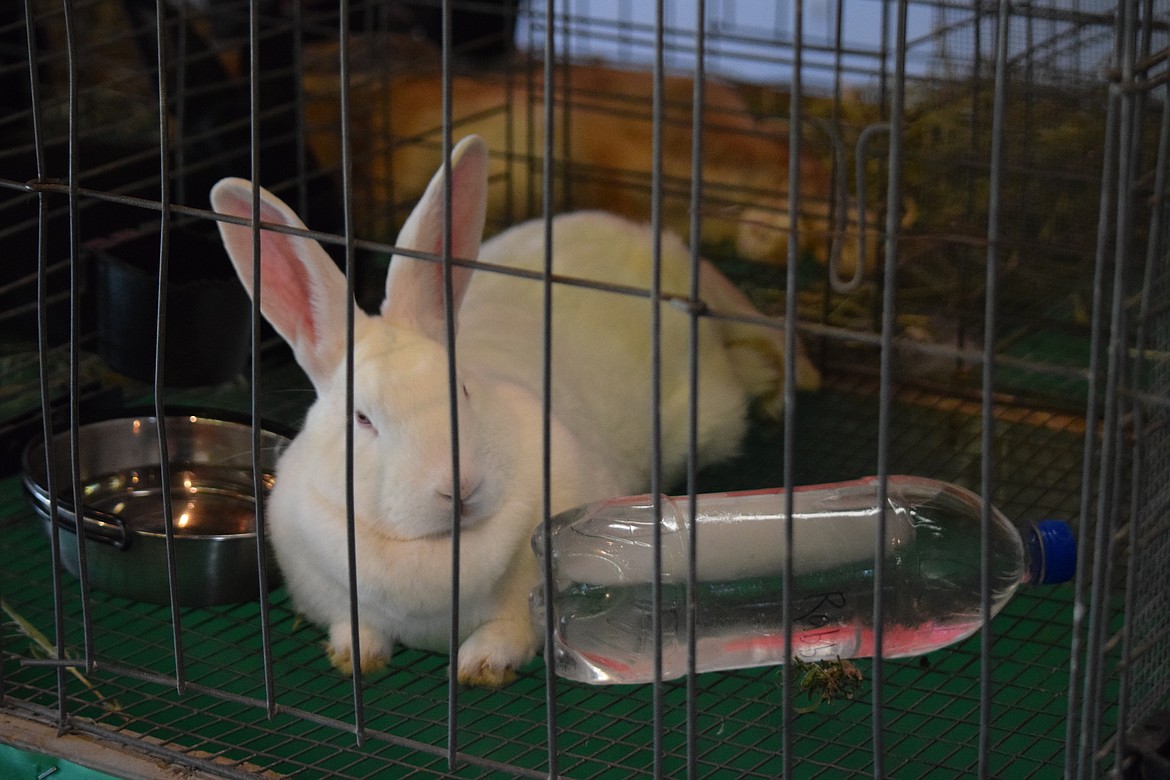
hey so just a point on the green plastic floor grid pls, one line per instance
(931, 704)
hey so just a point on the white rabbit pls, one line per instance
(403, 484)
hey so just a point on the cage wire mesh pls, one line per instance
(105, 154)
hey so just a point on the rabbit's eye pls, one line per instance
(466, 394)
(363, 420)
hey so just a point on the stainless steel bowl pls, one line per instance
(212, 502)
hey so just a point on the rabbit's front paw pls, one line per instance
(490, 657)
(375, 654)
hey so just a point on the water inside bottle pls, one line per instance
(931, 588)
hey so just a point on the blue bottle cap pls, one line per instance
(1053, 552)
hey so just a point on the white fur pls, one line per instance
(600, 427)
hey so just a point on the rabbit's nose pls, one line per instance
(468, 486)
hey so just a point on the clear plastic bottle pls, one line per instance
(602, 561)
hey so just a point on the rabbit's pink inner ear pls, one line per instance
(286, 287)
(469, 172)
(285, 284)
(301, 289)
(302, 293)
(414, 288)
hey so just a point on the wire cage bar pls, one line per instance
(959, 209)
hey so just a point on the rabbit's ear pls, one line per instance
(414, 288)
(302, 291)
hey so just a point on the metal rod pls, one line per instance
(655, 399)
(76, 286)
(1117, 181)
(1078, 655)
(449, 312)
(47, 426)
(548, 209)
(692, 610)
(1140, 479)
(788, 708)
(988, 420)
(256, 383)
(359, 716)
(886, 388)
(162, 60)
(1109, 470)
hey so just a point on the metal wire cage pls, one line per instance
(980, 267)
